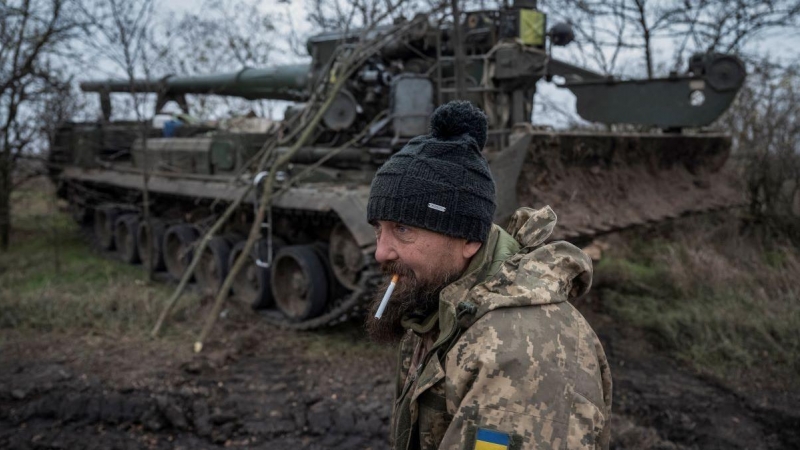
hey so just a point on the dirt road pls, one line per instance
(266, 388)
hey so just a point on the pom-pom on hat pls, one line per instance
(441, 181)
(456, 118)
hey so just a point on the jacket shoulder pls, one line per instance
(527, 369)
(549, 337)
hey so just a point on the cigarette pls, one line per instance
(386, 296)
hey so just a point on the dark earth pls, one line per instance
(261, 387)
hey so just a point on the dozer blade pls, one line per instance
(681, 102)
(598, 183)
(695, 99)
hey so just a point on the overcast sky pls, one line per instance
(784, 46)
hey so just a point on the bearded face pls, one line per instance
(412, 296)
(425, 262)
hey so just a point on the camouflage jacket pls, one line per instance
(506, 362)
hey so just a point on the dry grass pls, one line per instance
(51, 280)
(726, 303)
(54, 286)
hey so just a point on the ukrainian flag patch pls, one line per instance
(491, 440)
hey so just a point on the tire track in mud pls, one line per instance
(659, 403)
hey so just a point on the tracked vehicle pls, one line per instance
(314, 265)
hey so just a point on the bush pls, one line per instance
(50, 280)
(764, 123)
(723, 303)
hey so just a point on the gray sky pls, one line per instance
(784, 46)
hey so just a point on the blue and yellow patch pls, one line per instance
(491, 440)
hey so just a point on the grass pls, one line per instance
(51, 279)
(723, 302)
(726, 304)
(346, 339)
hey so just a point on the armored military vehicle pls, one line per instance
(314, 265)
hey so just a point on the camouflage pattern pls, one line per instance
(506, 351)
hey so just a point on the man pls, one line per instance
(492, 356)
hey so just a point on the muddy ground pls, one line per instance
(266, 388)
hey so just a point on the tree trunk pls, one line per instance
(648, 54)
(648, 51)
(5, 200)
(143, 128)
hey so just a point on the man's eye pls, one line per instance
(404, 233)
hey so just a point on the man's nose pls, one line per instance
(384, 250)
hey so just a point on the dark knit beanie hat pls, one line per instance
(440, 182)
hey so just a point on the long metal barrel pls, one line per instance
(289, 82)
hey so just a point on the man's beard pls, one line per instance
(411, 297)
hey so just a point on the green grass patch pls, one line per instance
(723, 303)
(51, 280)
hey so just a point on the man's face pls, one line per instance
(425, 261)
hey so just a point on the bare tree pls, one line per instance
(607, 30)
(765, 125)
(227, 35)
(726, 26)
(35, 39)
(232, 34)
(337, 15)
(123, 34)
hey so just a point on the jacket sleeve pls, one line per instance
(518, 372)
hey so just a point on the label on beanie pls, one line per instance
(437, 207)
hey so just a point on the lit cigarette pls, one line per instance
(386, 296)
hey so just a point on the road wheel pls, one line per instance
(81, 213)
(150, 245)
(335, 288)
(178, 248)
(345, 256)
(213, 266)
(104, 218)
(299, 282)
(126, 230)
(252, 284)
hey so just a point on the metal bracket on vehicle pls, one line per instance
(268, 225)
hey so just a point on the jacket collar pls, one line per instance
(539, 274)
(498, 247)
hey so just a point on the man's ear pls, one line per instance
(470, 249)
